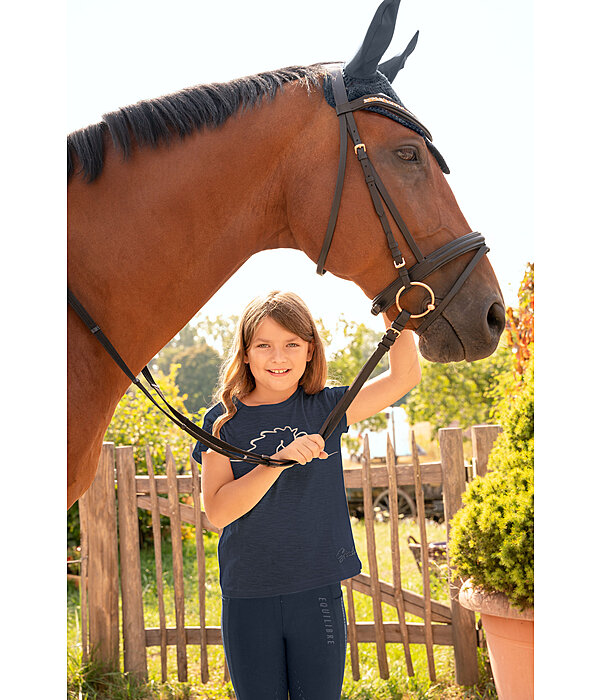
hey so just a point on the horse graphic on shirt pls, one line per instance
(285, 436)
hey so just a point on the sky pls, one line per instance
(473, 67)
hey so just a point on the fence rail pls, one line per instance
(103, 552)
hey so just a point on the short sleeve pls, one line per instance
(209, 418)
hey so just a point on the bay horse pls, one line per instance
(169, 197)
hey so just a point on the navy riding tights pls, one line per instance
(284, 644)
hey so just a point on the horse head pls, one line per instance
(412, 170)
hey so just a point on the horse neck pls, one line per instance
(156, 235)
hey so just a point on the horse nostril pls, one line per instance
(496, 319)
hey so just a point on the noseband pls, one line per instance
(407, 278)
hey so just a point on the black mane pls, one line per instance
(151, 122)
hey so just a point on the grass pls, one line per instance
(92, 682)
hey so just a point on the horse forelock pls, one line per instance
(154, 121)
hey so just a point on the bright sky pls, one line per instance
(469, 80)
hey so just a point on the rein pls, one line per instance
(391, 295)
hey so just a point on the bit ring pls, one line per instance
(430, 306)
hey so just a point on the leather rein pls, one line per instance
(391, 295)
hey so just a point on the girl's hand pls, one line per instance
(303, 449)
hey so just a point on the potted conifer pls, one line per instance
(491, 543)
(491, 546)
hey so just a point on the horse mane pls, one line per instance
(155, 121)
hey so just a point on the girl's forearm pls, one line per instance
(404, 361)
(235, 498)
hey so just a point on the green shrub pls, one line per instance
(492, 534)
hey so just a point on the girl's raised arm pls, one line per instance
(385, 389)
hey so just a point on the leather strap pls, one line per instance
(434, 261)
(383, 346)
(172, 413)
(426, 322)
(337, 198)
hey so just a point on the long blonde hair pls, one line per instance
(287, 309)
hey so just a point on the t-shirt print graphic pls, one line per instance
(283, 436)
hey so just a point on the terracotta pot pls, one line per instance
(509, 635)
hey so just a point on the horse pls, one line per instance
(167, 198)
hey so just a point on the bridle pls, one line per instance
(407, 278)
(391, 295)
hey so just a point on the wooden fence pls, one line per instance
(102, 552)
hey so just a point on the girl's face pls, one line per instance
(277, 358)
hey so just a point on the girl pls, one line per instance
(287, 542)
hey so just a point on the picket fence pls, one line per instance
(110, 562)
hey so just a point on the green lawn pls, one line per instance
(90, 682)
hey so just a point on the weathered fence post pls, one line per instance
(84, 577)
(177, 549)
(134, 635)
(390, 461)
(103, 561)
(420, 501)
(464, 634)
(483, 437)
(372, 559)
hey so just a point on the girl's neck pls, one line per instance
(262, 398)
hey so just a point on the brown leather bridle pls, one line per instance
(425, 266)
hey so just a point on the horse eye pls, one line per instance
(408, 153)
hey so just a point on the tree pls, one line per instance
(519, 325)
(138, 422)
(218, 332)
(347, 362)
(473, 393)
(459, 391)
(198, 363)
(197, 374)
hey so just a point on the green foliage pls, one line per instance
(359, 345)
(197, 375)
(346, 363)
(463, 391)
(199, 363)
(138, 422)
(217, 332)
(492, 534)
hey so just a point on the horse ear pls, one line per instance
(378, 37)
(392, 67)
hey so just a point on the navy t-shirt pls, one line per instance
(298, 536)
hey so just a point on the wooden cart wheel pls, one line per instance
(406, 505)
